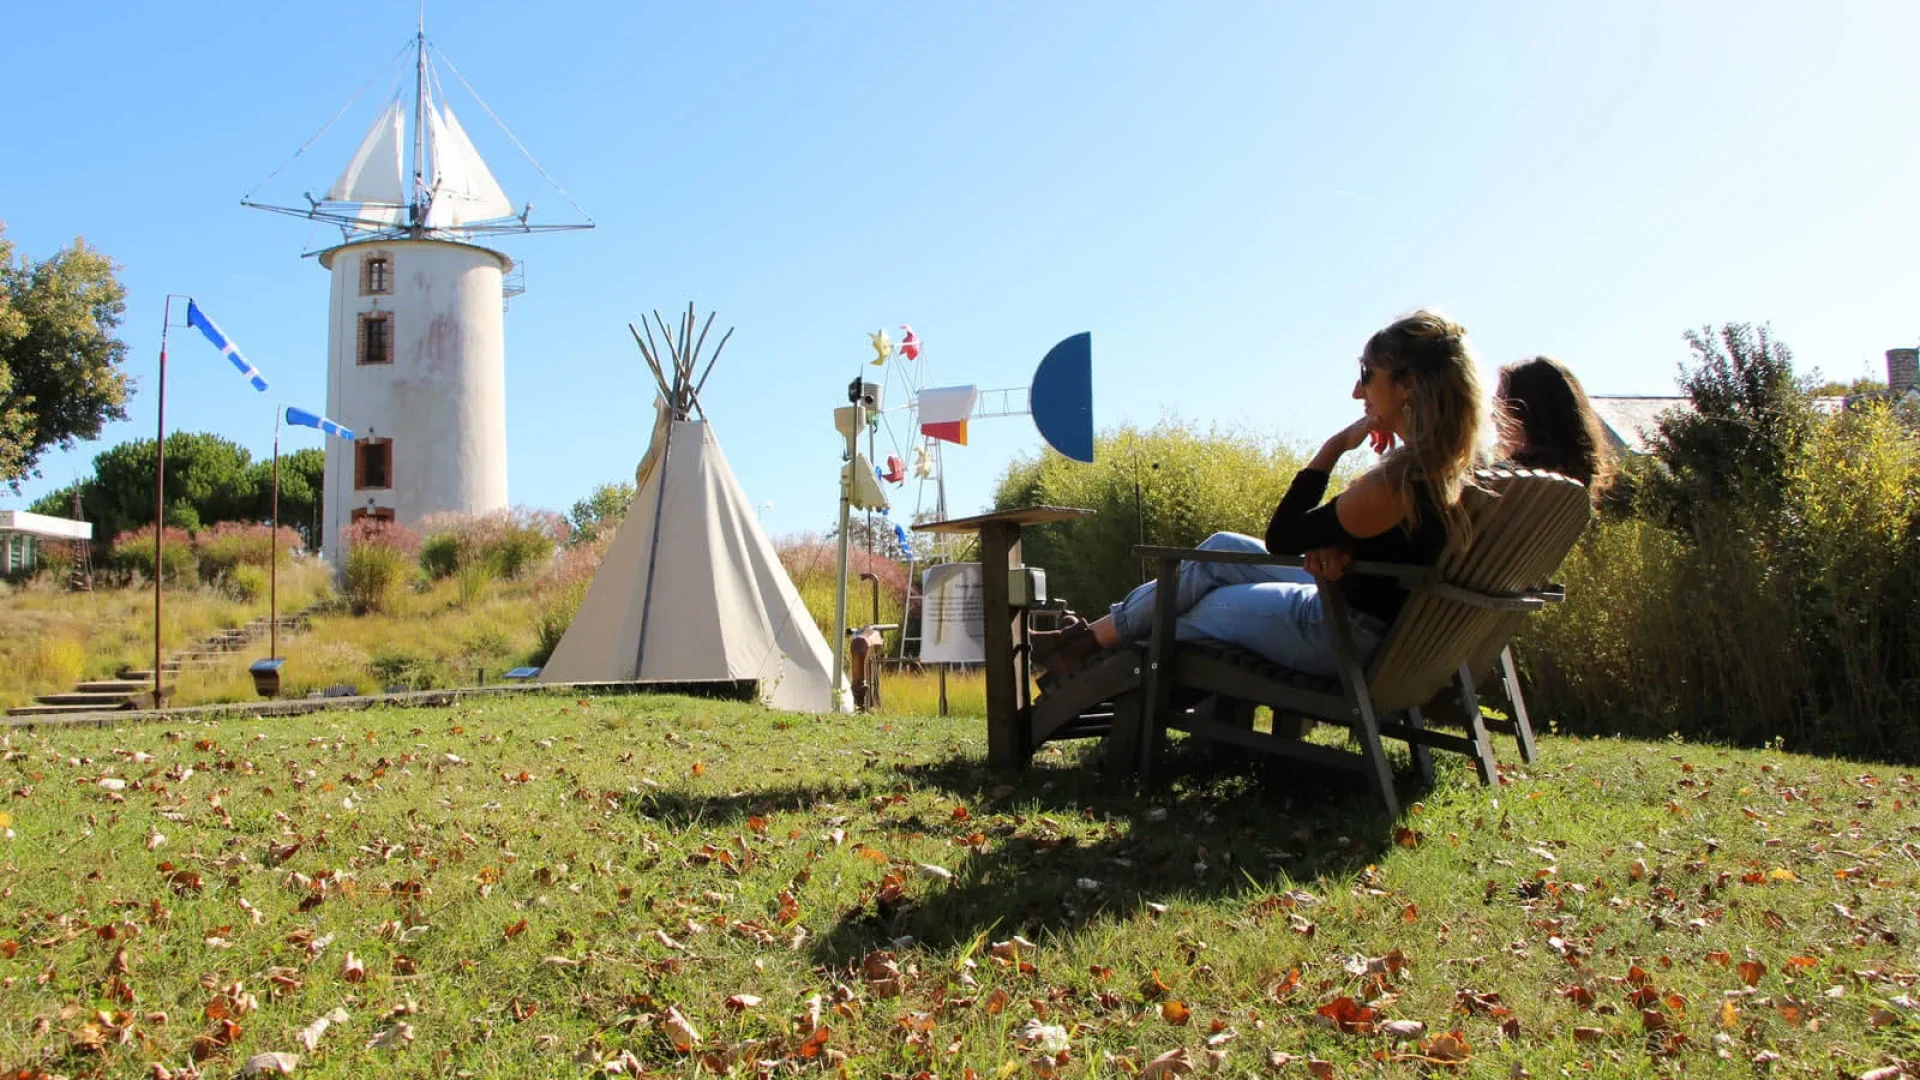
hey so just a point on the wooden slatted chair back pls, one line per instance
(1525, 522)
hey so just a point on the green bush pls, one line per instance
(247, 583)
(440, 555)
(1795, 617)
(393, 666)
(1171, 485)
(380, 560)
(473, 581)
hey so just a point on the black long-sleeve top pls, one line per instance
(1302, 523)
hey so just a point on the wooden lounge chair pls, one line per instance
(1451, 635)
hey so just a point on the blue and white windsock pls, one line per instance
(198, 318)
(315, 420)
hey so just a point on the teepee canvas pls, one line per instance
(691, 590)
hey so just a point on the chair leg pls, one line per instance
(1522, 725)
(1121, 770)
(1157, 683)
(1422, 753)
(1353, 678)
(1476, 727)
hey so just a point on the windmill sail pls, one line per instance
(447, 192)
(463, 188)
(373, 175)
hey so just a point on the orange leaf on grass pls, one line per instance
(1348, 1016)
(1175, 1012)
(514, 930)
(1750, 972)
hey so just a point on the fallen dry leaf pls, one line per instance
(273, 1062)
(309, 1036)
(1403, 1029)
(1171, 1063)
(679, 1030)
(395, 1037)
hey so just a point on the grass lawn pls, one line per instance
(544, 887)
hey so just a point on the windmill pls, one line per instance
(691, 590)
(416, 354)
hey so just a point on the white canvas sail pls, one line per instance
(373, 176)
(464, 190)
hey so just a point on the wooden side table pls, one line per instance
(1009, 686)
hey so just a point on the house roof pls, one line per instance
(45, 527)
(1632, 419)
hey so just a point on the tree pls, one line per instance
(302, 473)
(60, 377)
(1865, 384)
(605, 509)
(209, 479)
(1750, 417)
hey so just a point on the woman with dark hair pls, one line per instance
(1545, 422)
(1421, 389)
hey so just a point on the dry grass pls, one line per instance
(49, 637)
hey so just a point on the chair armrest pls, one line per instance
(1406, 574)
(1529, 600)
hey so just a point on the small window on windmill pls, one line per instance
(371, 513)
(376, 338)
(376, 275)
(372, 464)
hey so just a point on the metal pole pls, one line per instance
(415, 215)
(846, 513)
(653, 549)
(273, 559)
(160, 499)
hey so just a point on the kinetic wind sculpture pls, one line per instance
(1060, 400)
(416, 331)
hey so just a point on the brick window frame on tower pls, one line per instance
(375, 344)
(373, 464)
(376, 274)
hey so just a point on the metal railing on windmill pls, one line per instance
(971, 613)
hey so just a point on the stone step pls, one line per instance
(52, 710)
(97, 701)
(113, 686)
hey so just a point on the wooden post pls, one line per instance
(1005, 647)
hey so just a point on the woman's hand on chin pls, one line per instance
(1347, 438)
(1351, 436)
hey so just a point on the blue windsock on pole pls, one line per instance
(314, 420)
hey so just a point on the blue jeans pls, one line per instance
(1271, 610)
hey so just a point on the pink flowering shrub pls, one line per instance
(508, 543)
(231, 544)
(133, 551)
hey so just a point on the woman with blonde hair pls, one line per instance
(1422, 398)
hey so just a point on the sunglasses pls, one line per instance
(1366, 372)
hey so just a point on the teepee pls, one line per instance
(690, 589)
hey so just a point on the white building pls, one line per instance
(23, 534)
(416, 366)
(416, 341)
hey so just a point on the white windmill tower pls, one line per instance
(416, 351)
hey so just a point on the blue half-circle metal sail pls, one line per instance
(1062, 397)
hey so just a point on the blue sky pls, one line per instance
(1231, 197)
